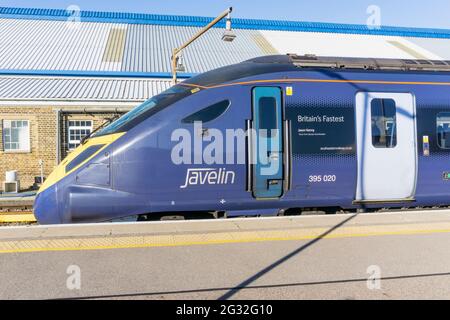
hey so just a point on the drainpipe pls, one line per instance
(41, 165)
(58, 136)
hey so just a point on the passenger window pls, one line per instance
(209, 113)
(384, 123)
(443, 130)
(267, 110)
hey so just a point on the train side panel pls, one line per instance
(324, 151)
(323, 143)
(324, 158)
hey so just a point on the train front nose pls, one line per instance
(46, 209)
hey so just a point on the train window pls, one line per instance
(267, 110)
(384, 123)
(209, 113)
(146, 110)
(443, 130)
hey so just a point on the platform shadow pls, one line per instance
(269, 268)
(269, 286)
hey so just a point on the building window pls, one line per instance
(77, 130)
(443, 130)
(16, 135)
(384, 123)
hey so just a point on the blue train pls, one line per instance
(267, 136)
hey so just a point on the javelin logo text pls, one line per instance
(208, 176)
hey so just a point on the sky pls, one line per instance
(407, 13)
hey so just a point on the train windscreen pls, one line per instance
(219, 76)
(145, 110)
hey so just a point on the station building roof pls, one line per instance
(45, 55)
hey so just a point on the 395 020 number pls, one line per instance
(322, 178)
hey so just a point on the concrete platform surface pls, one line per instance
(16, 200)
(18, 196)
(369, 256)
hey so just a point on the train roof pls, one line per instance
(292, 62)
(313, 61)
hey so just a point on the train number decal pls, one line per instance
(322, 178)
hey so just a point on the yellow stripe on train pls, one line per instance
(60, 171)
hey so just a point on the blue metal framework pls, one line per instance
(193, 21)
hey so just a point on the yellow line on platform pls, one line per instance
(178, 240)
(17, 217)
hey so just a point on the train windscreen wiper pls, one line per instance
(86, 138)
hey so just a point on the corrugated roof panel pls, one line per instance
(52, 45)
(149, 48)
(94, 89)
(440, 47)
(346, 45)
(47, 45)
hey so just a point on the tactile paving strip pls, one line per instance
(211, 238)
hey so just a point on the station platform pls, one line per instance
(17, 208)
(13, 199)
(203, 232)
(305, 257)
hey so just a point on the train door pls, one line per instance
(386, 147)
(267, 168)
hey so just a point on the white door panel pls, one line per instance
(386, 146)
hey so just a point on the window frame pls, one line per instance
(262, 115)
(75, 127)
(27, 148)
(437, 131)
(228, 101)
(391, 146)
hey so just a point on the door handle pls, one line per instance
(274, 156)
(249, 140)
(274, 182)
(287, 155)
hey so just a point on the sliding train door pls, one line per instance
(386, 147)
(267, 172)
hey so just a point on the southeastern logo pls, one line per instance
(208, 176)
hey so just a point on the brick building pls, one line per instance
(61, 77)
